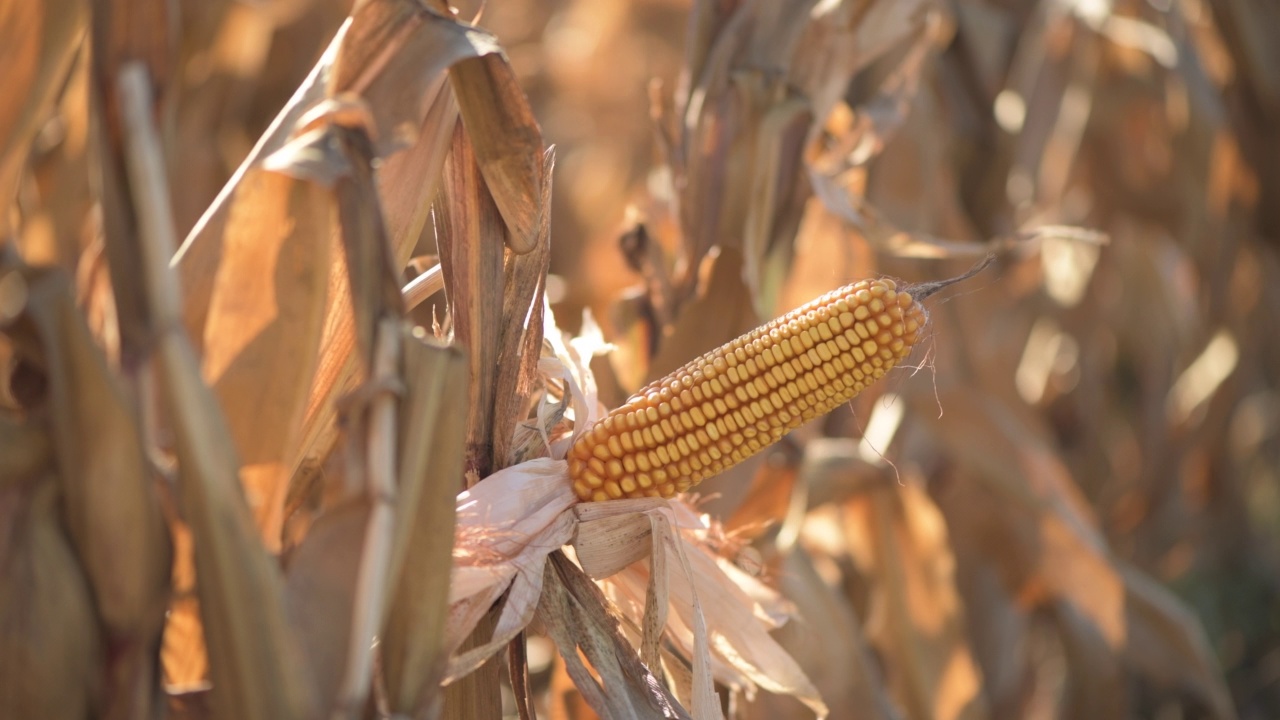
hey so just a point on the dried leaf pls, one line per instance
(472, 258)
(320, 591)
(262, 329)
(508, 145)
(407, 182)
(421, 45)
(739, 122)
(523, 305)
(197, 260)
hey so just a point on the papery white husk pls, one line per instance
(509, 522)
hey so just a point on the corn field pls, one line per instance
(622, 359)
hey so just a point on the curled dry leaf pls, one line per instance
(420, 46)
(197, 259)
(471, 259)
(393, 57)
(407, 181)
(523, 306)
(760, 78)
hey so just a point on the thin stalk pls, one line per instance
(144, 163)
(370, 601)
(422, 287)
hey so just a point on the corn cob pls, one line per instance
(736, 400)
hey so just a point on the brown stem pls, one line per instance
(924, 290)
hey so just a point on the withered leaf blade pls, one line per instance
(262, 332)
(320, 590)
(508, 144)
(741, 187)
(472, 260)
(407, 183)
(409, 180)
(1039, 537)
(384, 48)
(412, 47)
(430, 468)
(520, 343)
(197, 260)
(1167, 642)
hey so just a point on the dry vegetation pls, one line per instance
(285, 405)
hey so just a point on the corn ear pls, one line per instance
(736, 400)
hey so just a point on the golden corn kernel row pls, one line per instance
(736, 400)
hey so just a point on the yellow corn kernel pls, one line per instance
(765, 384)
